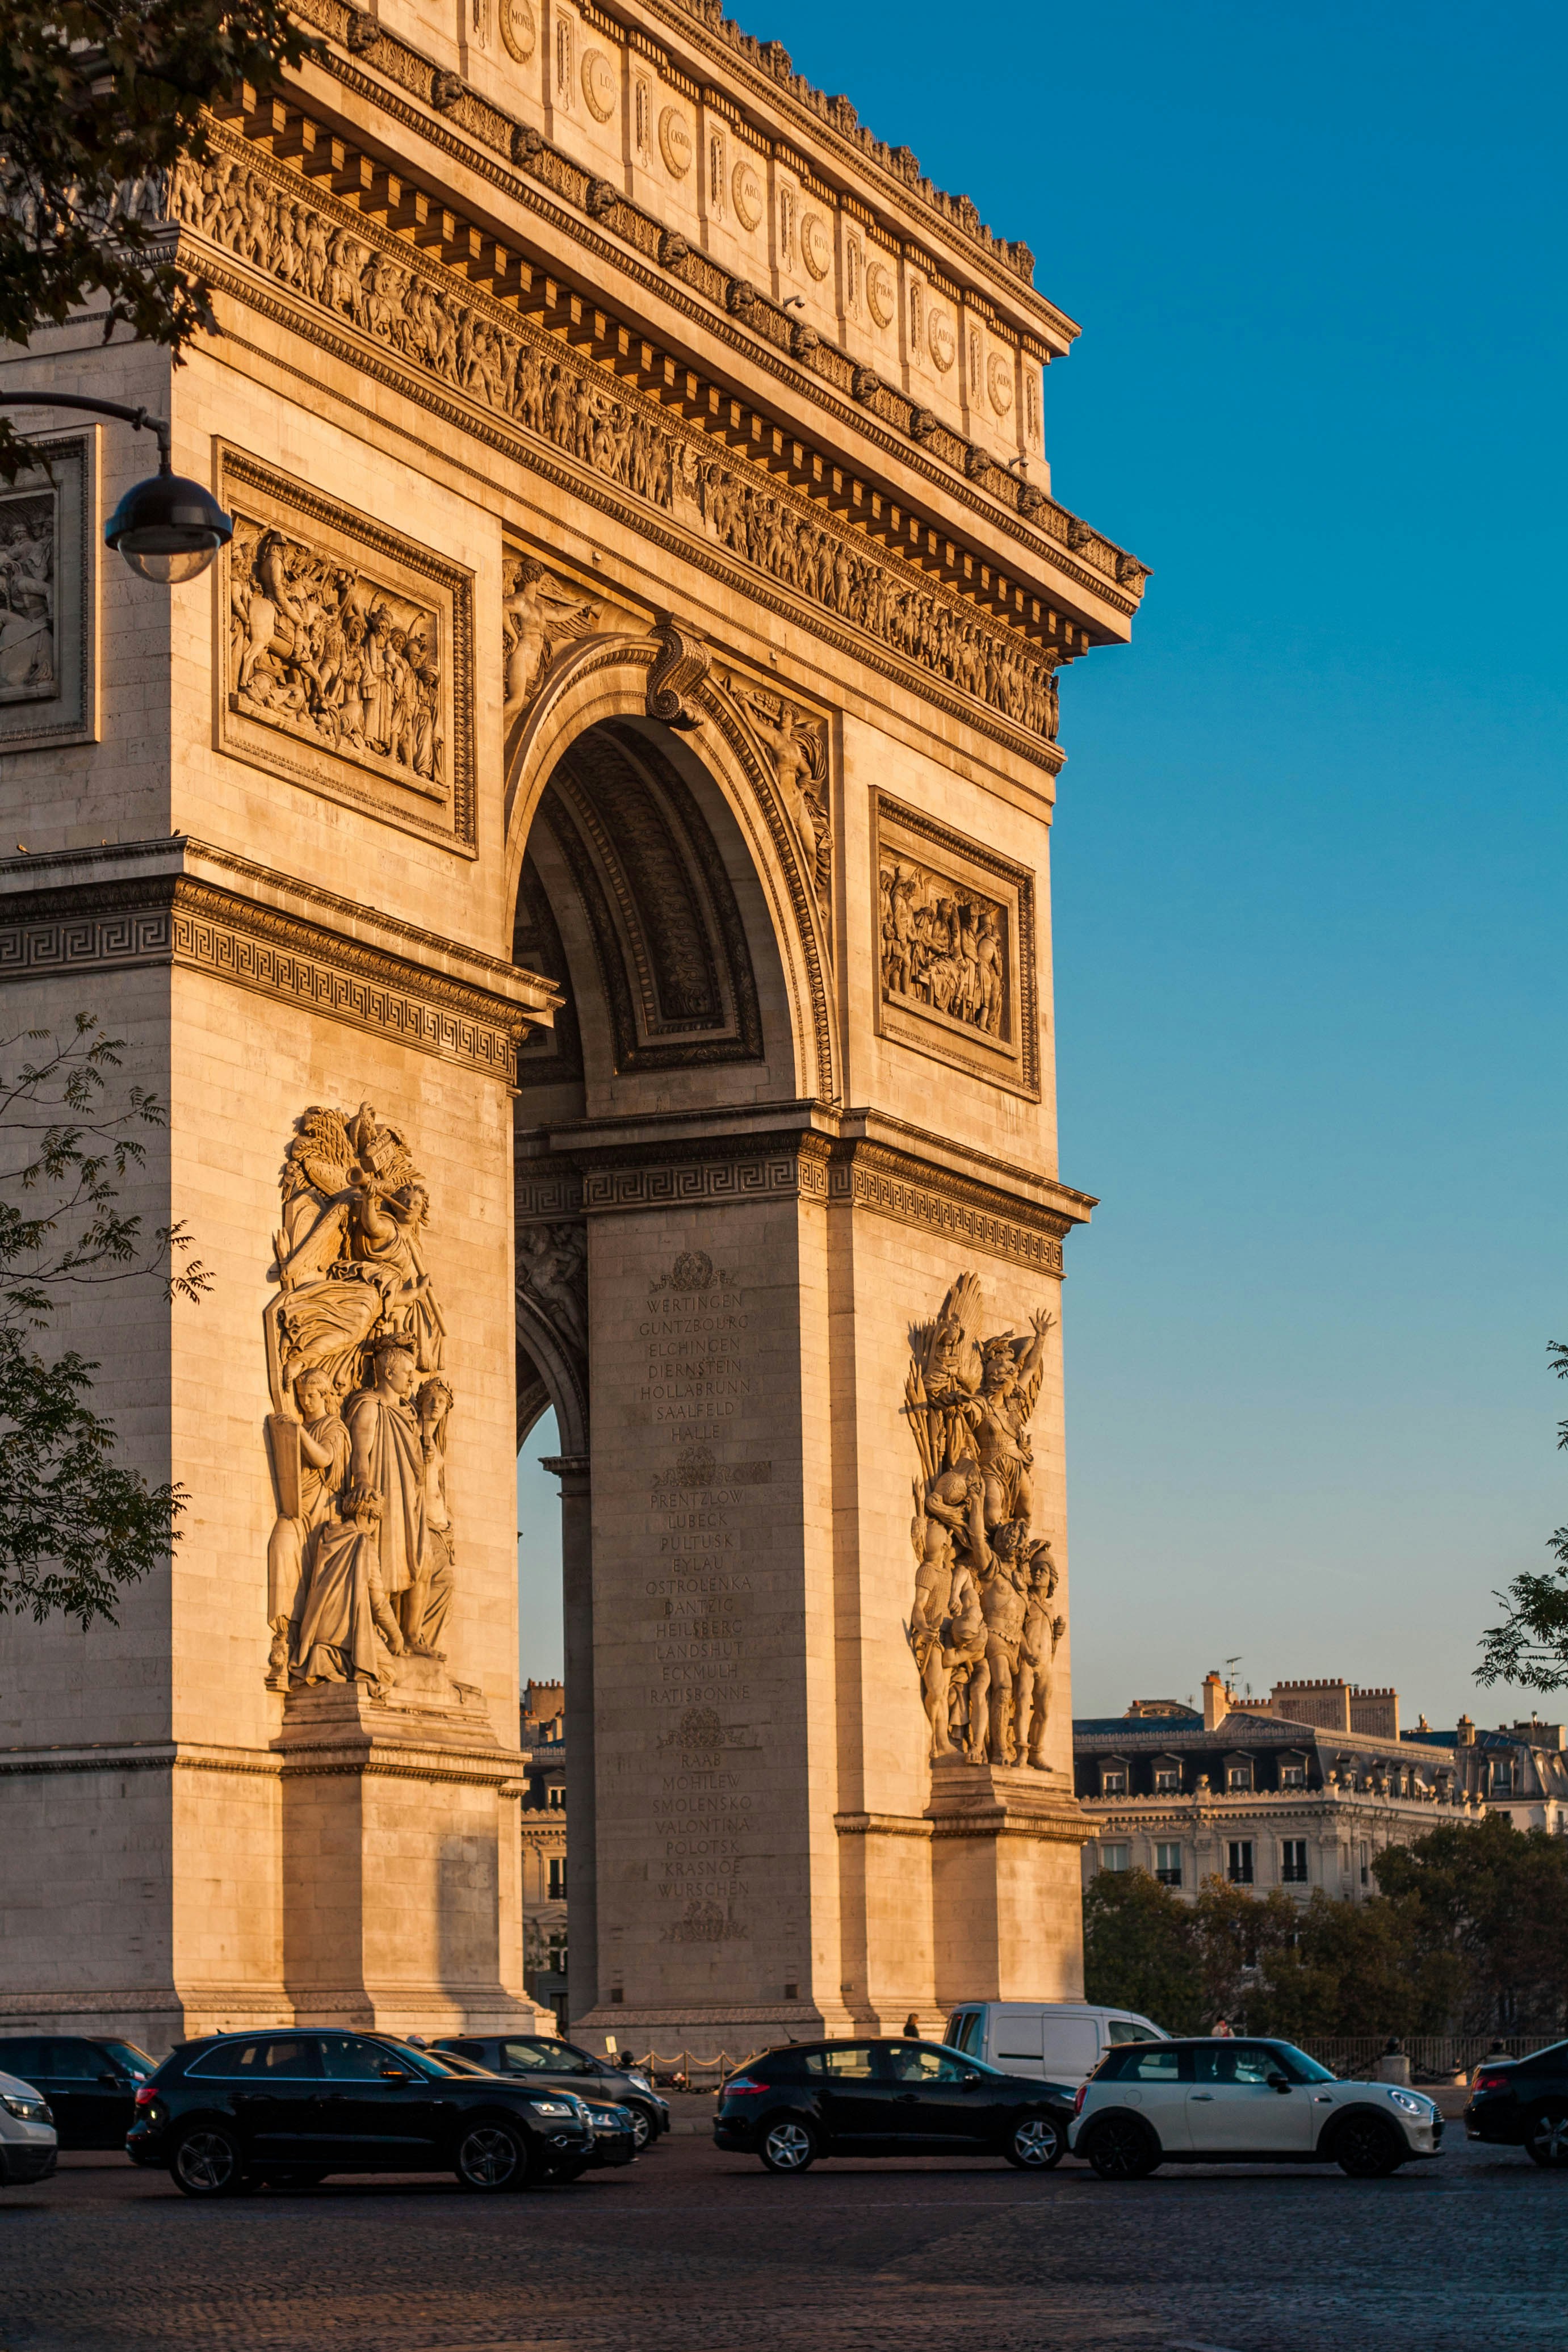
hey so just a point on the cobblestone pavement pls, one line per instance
(689, 2251)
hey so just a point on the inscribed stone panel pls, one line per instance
(347, 663)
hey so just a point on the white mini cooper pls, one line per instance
(1234, 2102)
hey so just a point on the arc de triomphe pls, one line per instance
(578, 876)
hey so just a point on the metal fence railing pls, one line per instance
(1434, 2057)
(684, 2070)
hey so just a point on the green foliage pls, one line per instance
(98, 97)
(1141, 1950)
(1530, 1647)
(1467, 1934)
(1489, 1903)
(76, 1526)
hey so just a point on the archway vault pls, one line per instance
(695, 863)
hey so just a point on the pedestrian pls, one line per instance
(912, 2027)
(1221, 2030)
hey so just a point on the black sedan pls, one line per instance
(236, 2111)
(615, 2140)
(1524, 2103)
(887, 2098)
(537, 2059)
(90, 2085)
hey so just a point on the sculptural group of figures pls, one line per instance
(320, 648)
(942, 949)
(408, 312)
(27, 596)
(983, 1630)
(359, 1563)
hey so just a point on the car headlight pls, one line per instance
(639, 2082)
(1422, 2107)
(26, 2111)
(553, 2107)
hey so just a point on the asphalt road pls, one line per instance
(689, 2250)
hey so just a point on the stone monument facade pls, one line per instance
(578, 875)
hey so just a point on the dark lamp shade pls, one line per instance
(168, 529)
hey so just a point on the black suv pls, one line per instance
(560, 2065)
(1522, 2102)
(91, 2087)
(887, 2098)
(235, 2110)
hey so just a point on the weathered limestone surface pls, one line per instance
(620, 749)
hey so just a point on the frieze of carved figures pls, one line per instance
(982, 1629)
(400, 305)
(360, 1564)
(942, 945)
(30, 661)
(330, 654)
(553, 1276)
(540, 616)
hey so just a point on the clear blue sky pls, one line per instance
(1309, 848)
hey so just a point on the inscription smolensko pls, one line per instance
(360, 1564)
(983, 1630)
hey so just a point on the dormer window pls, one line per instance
(1502, 1778)
(1167, 1776)
(1113, 1776)
(1292, 1771)
(1238, 1777)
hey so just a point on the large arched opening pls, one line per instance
(666, 886)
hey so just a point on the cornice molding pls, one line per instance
(119, 922)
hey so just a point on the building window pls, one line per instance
(1502, 1779)
(1239, 1863)
(557, 1878)
(1238, 1777)
(1167, 1779)
(1363, 1868)
(1293, 1776)
(557, 1797)
(1114, 1779)
(1168, 1865)
(1115, 1857)
(1293, 1862)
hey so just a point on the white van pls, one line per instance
(1060, 2040)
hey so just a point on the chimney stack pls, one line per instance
(1216, 1700)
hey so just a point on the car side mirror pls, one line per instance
(1278, 2083)
(113, 2081)
(395, 2074)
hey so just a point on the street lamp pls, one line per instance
(168, 528)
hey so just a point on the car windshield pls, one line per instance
(1305, 2069)
(426, 2063)
(135, 2061)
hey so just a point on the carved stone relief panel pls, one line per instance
(794, 743)
(983, 1630)
(360, 1563)
(49, 598)
(347, 661)
(955, 927)
(545, 612)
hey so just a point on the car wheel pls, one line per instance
(1035, 2143)
(491, 2157)
(788, 2146)
(1368, 2149)
(1121, 2148)
(644, 2128)
(1547, 2136)
(208, 2163)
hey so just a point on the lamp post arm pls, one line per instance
(136, 417)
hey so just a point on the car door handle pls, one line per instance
(908, 2098)
(1207, 2096)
